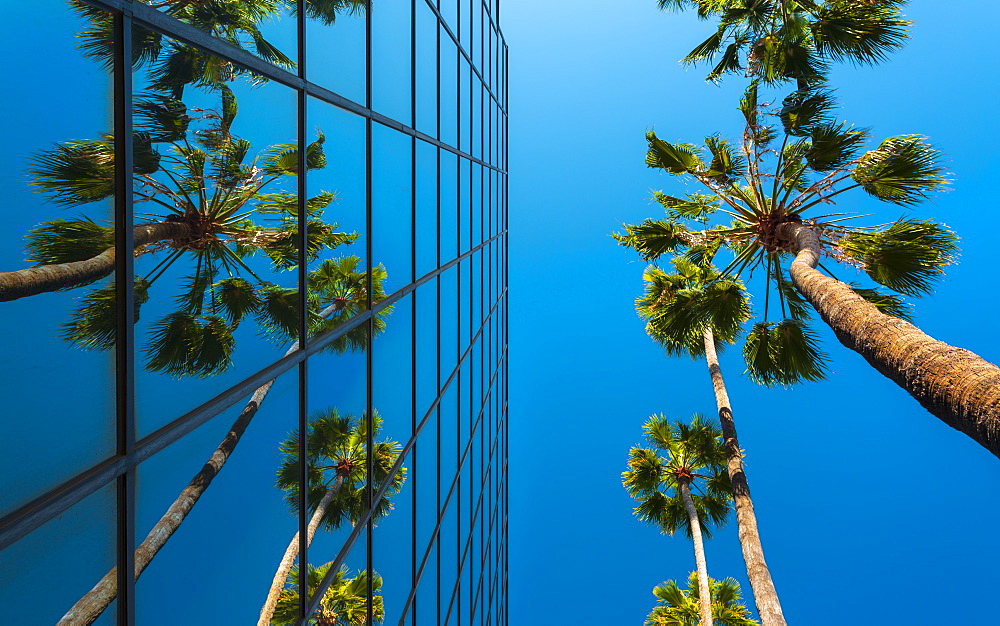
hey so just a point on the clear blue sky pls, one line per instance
(866, 502)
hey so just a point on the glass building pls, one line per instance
(254, 295)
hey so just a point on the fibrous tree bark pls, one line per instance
(765, 595)
(44, 278)
(704, 593)
(956, 385)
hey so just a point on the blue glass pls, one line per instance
(46, 572)
(449, 245)
(427, 208)
(427, 70)
(465, 130)
(392, 371)
(68, 387)
(238, 529)
(478, 192)
(448, 97)
(427, 590)
(449, 12)
(390, 67)
(392, 205)
(464, 204)
(336, 54)
(392, 549)
(450, 318)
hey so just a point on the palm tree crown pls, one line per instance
(679, 607)
(761, 186)
(688, 454)
(780, 40)
(336, 448)
(344, 603)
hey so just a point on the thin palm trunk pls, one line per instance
(956, 385)
(704, 594)
(764, 593)
(292, 551)
(90, 606)
(44, 278)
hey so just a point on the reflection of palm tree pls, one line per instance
(174, 64)
(337, 477)
(334, 281)
(692, 457)
(689, 311)
(680, 607)
(206, 196)
(344, 603)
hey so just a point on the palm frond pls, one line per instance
(68, 240)
(676, 159)
(907, 257)
(783, 353)
(94, 322)
(902, 170)
(653, 238)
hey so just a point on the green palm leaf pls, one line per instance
(907, 257)
(783, 353)
(902, 170)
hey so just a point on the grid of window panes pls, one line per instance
(254, 302)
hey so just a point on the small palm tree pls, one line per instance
(686, 487)
(345, 601)
(680, 607)
(337, 477)
(779, 40)
(696, 311)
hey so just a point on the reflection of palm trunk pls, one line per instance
(704, 593)
(44, 278)
(280, 576)
(89, 607)
(764, 592)
(956, 385)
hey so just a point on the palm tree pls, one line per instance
(336, 281)
(685, 488)
(337, 464)
(779, 40)
(345, 601)
(768, 190)
(680, 607)
(692, 311)
(206, 199)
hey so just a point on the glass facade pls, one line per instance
(254, 292)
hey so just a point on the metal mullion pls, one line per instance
(369, 362)
(413, 318)
(124, 285)
(352, 538)
(303, 330)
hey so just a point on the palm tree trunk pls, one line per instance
(292, 551)
(44, 278)
(704, 593)
(764, 593)
(956, 385)
(90, 606)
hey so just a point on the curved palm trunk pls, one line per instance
(89, 607)
(292, 551)
(764, 593)
(956, 385)
(44, 278)
(704, 593)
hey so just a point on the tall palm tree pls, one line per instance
(780, 40)
(680, 607)
(768, 190)
(691, 312)
(337, 474)
(335, 281)
(345, 601)
(686, 487)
